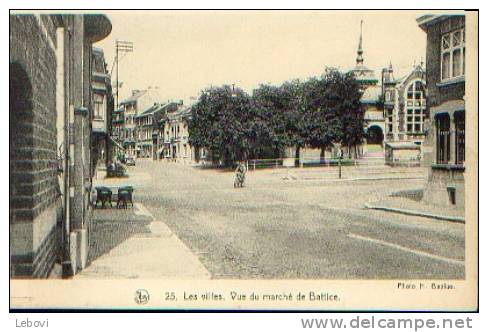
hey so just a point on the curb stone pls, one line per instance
(416, 213)
(361, 179)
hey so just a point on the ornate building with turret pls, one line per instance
(395, 111)
(372, 102)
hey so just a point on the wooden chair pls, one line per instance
(104, 195)
(124, 196)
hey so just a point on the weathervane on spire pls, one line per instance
(359, 59)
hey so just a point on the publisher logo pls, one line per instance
(141, 297)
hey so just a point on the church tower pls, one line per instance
(359, 58)
(364, 76)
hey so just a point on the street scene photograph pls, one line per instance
(240, 145)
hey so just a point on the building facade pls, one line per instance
(139, 101)
(445, 78)
(395, 111)
(117, 133)
(174, 136)
(405, 112)
(103, 104)
(50, 111)
(147, 130)
(405, 106)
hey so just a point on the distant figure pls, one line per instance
(240, 175)
(111, 166)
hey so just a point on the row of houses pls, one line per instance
(60, 97)
(147, 128)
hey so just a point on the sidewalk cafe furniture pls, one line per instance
(104, 195)
(124, 196)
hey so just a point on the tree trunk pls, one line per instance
(297, 156)
(322, 155)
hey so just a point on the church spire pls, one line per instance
(359, 59)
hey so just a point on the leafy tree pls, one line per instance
(333, 112)
(269, 112)
(294, 119)
(221, 123)
(349, 112)
(278, 111)
(317, 113)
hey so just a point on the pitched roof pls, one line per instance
(151, 109)
(134, 97)
(417, 72)
(363, 73)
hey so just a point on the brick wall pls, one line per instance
(34, 187)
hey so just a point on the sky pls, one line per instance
(183, 52)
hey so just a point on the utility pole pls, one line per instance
(120, 47)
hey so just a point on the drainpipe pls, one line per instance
(66, 258)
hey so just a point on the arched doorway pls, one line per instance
(374, 135)
(374, 141)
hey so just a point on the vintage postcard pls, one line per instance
(244, 160)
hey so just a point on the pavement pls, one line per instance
(275, 228)
(131, 243)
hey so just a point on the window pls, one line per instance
(443, 138)
(98, 106)
(459, 121)
(453, 54)
(389, 120)
(416, 112)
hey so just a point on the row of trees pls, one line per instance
(317, 113)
